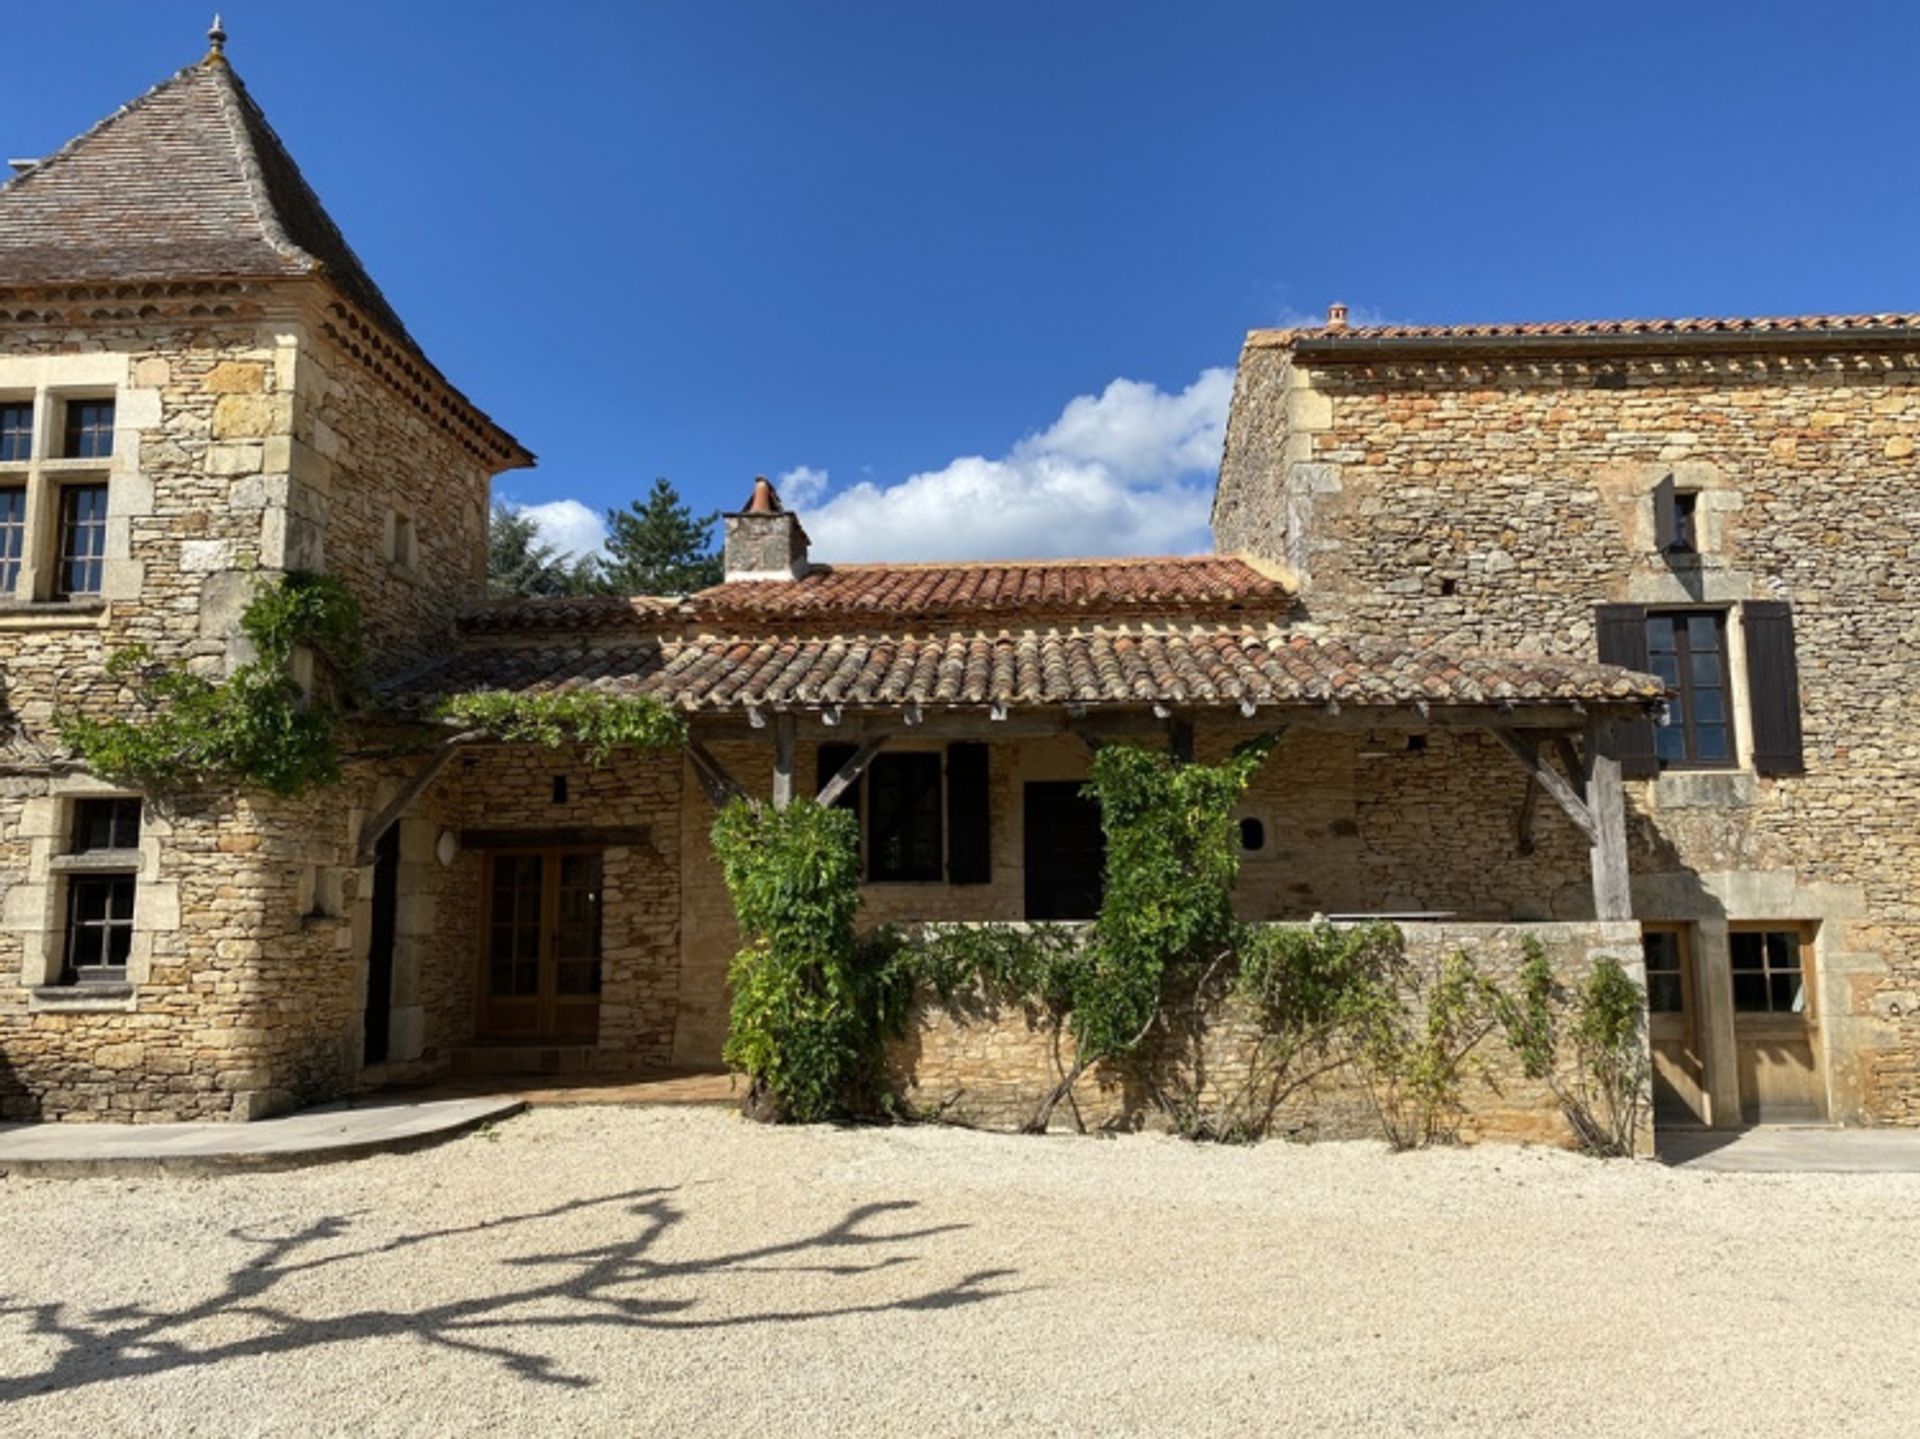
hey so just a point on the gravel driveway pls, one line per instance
(678, 1271)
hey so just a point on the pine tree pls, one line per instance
(519, 562)
(657, 547)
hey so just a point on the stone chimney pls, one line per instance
(764, 541)
(1336, 316)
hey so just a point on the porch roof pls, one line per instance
(1188, 665)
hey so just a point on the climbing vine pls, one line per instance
(258, 727)
(808, 1017)
(598, 723)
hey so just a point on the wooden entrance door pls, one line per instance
(540, 971)
(1673, 1026)
(1066, 851)
(1776, 1025)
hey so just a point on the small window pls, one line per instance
(1685, 539)
(1253, 835)
(99, 927)
(89, 430)
(1688, 650)
(83, 539)
(903, 817)
(106, 824)
(401, 549)
(13, 537)
(1666, 989)
(16, 431)
(1767, 973)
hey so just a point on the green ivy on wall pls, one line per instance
(598, 723)
(257, 727)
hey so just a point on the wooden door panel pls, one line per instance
(1673, 1029)
(1776, 1028)
(540, 965)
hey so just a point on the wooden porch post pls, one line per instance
(1606, 802)
(783, 726)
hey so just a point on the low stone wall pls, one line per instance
(975, 1061)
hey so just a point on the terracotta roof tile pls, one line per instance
(1549, 329)
(1032, 588)
(1188, 665)
(567, 614)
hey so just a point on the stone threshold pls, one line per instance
(328, 1134)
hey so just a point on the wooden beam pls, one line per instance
(783, 759)
(1606, 800)
(1529, 803)
(605, 836)
(848, 773)
(1528, 753)
(371, 834)
(720, 786)
(1570, 759)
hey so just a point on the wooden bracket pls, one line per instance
(1548, 778)
(720, 786)
(370, 835)
(850, 772)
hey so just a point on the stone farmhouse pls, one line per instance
(1597, 634)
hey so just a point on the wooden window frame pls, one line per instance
(74, 434)
(1683, 656)
(13, 542)
(119, 826)
(1682, 971)
(1803, 934)
(17, 404)
(66, 529)
(77, 885)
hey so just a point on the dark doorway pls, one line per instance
(1066, 851)
(386, 883)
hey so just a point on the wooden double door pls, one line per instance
(540, 955)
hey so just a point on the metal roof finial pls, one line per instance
(216, 38)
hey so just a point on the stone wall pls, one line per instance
(977, 1062)
(1355, 823)
(1493, 504)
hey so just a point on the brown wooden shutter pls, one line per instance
(969, 815)
(1773, 687)
(1622, 632)
(826, 764)
(1666, 527)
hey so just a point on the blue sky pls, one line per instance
(902, 253)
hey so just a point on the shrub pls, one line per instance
(1602, 1091)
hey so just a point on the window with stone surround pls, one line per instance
(102, 877)
(56, 455)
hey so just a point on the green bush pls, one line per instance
(1602, 1088)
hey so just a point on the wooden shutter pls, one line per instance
(969, 815)
(1773, 687)
(826, 764)
(1666, 527)
(1622, 631)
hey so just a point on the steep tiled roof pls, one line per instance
(1575, 329)
(1027, 588)
(1175, 664)
(187, 182)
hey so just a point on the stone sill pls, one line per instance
(1704, 789)
(96, 861)
(52, 614)
(116, 998)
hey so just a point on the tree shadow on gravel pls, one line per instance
(603, 1286)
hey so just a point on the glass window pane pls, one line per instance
(1750, 993)
(1783, 949)
(1661, 948)
(1704, 667)
(1670, 742)
(1745, 950)
(119, 945)
(1660, 638)
(1703, 632)
(1710, 742)
(16, 432)
(1787, 992)
(1667, 667)
(1663, 993)
(1709, 707)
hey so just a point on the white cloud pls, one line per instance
(801, 486)
(1127, 471)
(569, 526)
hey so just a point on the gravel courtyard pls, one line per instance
(678, 1271)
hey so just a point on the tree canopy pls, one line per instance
(519, 562)
(657, 546)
